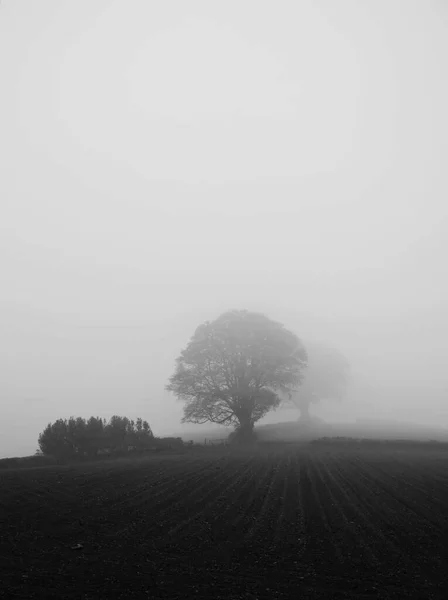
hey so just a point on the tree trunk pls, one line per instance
(246, 427)
(304, 406)
(244, 433)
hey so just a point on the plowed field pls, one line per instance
(286, 522)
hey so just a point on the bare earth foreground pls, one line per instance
(287, 521)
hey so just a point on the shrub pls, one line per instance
(79, 439)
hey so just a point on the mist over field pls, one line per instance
(161, 163)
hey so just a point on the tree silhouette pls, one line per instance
(234, 368)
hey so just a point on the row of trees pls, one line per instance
(239, 367)
(68, 439)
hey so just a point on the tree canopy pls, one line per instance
(234, 369)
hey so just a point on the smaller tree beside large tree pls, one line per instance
(325, 378)
(235, 369)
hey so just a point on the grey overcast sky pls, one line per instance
(163, 161)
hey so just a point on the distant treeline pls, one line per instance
(379, 442)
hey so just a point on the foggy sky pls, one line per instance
(161, 162)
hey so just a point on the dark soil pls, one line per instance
(286, 522)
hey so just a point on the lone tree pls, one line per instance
(326, 377)
(235, 369)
